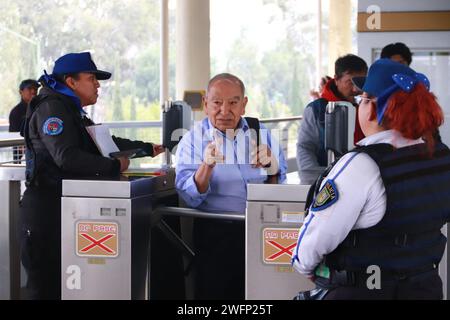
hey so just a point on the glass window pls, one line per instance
(123, 37)
(435, 64)
(270, 45)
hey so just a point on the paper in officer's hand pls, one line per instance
(103, 139)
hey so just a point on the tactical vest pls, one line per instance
(408, 237)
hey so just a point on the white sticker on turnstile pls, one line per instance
(97, 239)
(292, 216)
(278, 244)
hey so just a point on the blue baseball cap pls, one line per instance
(76, 63)
(386, 77)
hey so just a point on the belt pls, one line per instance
(359, 279)
(399, 240)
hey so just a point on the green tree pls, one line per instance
(105, 28)
(295, 98)
(265, 109)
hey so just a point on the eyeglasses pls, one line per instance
(359, 99)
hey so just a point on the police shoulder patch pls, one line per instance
(53, 126)
(326, 197)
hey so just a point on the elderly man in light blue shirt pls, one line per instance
(215, 162)
(219, 156)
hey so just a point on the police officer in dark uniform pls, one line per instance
(27, 89)
(59, 147)
(374, 226)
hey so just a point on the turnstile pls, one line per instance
(274, 216)
(106, 236)
(11, 176)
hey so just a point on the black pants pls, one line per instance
(423, 286)
(40, 233)
(220, 259)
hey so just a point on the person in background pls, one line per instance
(27, 89)
(373, 230)
(311, 154)
(215, 161)
(58, 146)
(316, 94)
(398, 52)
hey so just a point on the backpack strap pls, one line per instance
(253, 123)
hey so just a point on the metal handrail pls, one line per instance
(12, 142)
(133, 124)
(277, 120)
(156, 124)
(153, 124)
(193, 213)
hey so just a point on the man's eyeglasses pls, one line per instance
(359, 99)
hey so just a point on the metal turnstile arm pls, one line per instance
(194, 213)
(172, 236)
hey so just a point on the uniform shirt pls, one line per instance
(227, 190)
(361, 203)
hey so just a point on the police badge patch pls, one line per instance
(53, 126)
(326, 197)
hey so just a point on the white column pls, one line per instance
(319, 44)
(340, 33)
(164, 53)
(192, 43)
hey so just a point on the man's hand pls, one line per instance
(124, 163)
(212, 155)
(157, 149)
(262, 157)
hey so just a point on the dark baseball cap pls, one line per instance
(72, 63)
(28, 83)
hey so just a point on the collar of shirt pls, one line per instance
(211, 130)
(236, 150)
(392, 137)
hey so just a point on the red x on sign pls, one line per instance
(97, 243)
(278, 244)
(97, 239)
(283, 250)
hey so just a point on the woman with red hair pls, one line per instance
(373, 228)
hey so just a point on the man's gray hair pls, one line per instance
(226, 76)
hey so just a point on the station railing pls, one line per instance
(287, 129)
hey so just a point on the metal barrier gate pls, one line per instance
(274, 216)
(11, 176)
(106, 232)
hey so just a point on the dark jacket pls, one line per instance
(70, 153)
(17, 117)
(311, 154)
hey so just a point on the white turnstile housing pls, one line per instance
(11, 176)
(106, 236)
(274, 216)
